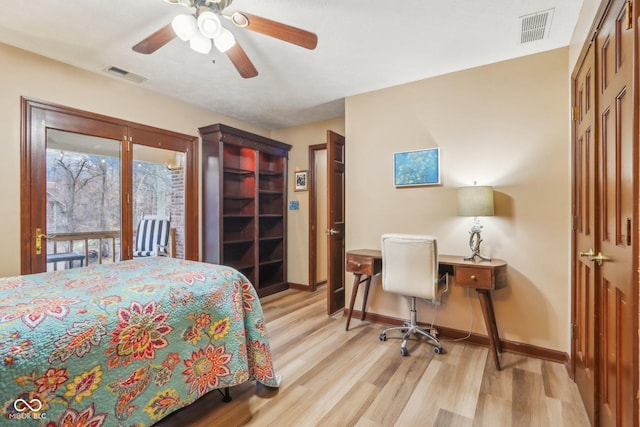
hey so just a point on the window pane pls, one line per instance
(83, 199)
(158, 179)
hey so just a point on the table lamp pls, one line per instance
(475, 201)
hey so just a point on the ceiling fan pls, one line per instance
(203, 28)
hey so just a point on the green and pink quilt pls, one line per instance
(126, 343)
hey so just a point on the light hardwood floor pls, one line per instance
(335, 378)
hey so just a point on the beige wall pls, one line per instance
(504, 125)
(25, 74)
(301, 138)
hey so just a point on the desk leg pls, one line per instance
(366, 295)
(494, 325)
(354, 292)
(490, 323)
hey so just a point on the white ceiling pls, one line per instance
(363, 45)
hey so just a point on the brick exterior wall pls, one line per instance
(177, 207)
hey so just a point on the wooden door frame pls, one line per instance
(313, 217)
(635, 229)
(31, 109)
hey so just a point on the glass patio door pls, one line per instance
(80, 199)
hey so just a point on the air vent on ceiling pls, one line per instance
(535, 26)
(124, 74)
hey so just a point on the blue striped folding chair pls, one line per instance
(152, 236)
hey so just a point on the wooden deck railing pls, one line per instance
(86, 237)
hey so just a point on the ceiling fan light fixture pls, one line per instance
(209, 24)
(200, 44)
(224, 41)
(185, 27)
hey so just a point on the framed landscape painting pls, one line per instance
(418, 167)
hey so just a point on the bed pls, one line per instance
(126, 343)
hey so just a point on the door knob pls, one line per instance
(587, 254)
(331, 232)
(599, 259)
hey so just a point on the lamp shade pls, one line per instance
(475, 201)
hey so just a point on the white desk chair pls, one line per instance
(410, 268)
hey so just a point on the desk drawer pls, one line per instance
(359, 264)
(473, 277)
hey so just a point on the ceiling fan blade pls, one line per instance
(156, 40)
(241, 61)
(275, 29)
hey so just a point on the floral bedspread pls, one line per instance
(126, 343)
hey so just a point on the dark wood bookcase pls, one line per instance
(244, 205)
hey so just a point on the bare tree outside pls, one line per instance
(84, 192)
(152, 190)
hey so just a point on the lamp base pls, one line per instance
(474, 245)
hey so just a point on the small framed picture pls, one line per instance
(300, 181)
(418, 167)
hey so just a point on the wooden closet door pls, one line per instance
(617, 364)
(584, 217)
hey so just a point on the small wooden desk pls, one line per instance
(482, 276)
(367, 263)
